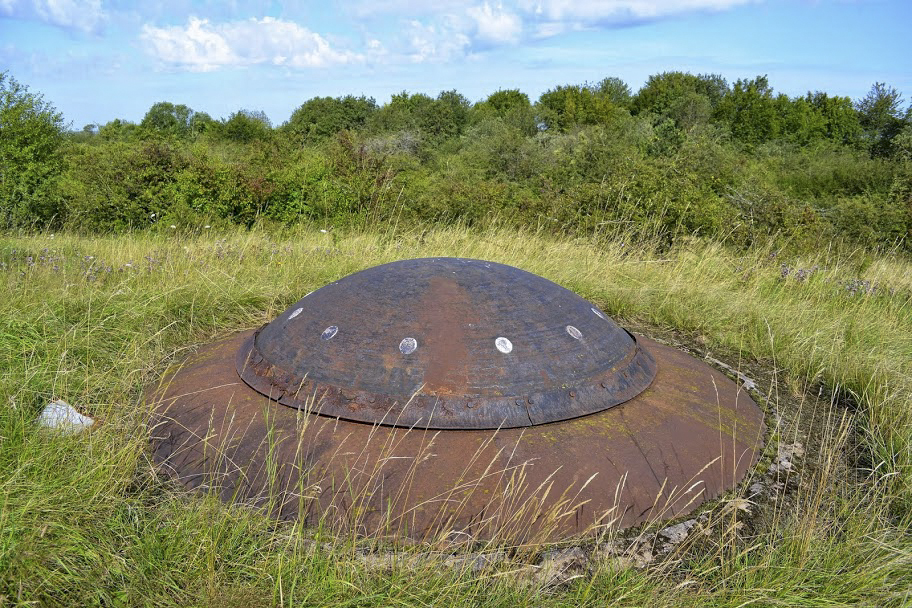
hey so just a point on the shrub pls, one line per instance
(321, 117)
(31, 156)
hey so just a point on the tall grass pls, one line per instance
(94, 320)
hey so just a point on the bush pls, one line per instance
(322, 117)
(872, 220)
(116, 186)
(31, 156)
(245, 126)
(565, 107)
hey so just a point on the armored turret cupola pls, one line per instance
(431, 396)
(446, 343)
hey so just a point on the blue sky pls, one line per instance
(97, 60)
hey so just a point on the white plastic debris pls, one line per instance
(62, 416)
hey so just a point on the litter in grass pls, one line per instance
(62, 416)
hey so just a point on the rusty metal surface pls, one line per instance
(690, 436)
(445, 343)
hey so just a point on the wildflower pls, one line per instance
(206, 226)
(784, 270)
(173, 226)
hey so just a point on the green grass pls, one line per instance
(85, 520)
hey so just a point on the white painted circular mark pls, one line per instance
(503, 345)
(574, 332)
(599, 313)
(408, 346)
(329, 332)
(296, 312)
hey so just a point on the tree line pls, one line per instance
(686, 154)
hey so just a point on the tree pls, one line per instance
(118, 130)
(31, 140)
(839, 117)
(201, 122)
(662, 91)
(245, 126)
(402, 113)
(799, 120)
(690, 110)
(750, 111)
(564, 107)
(880, 115)
(322, 117)
(447, 116)
(510, 106)
(443, 117)
(165, 118)
(616, 90)
(503, 102)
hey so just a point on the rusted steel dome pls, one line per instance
(445, 394)
(446, 343)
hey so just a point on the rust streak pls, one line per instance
(444, 311)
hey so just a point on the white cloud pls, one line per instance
(618, 10)
(371, 8)
(203, 46)
(438, 42)
(441, 30)
(84, 15)
(462, 33)
(495, 25)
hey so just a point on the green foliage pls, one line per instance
(201, 122)
(497, 148)
(245, 126)
(697, 157)
(167, 119)
(565, 107)
(322, 117)
(512, 107)
(31, 156)
(751, 112)
(840, 121)
(871, 220)
(880, 115)
(901, 188)
(118, 185)
(690, 110)
(661, 91)
(118, 130)
(799, 120)
(435, 119)
(504, 102)
(616, 90)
